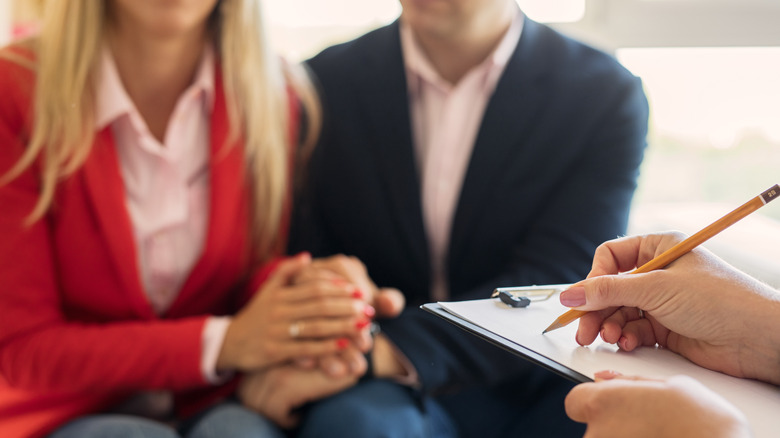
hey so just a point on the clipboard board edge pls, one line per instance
(506, 344)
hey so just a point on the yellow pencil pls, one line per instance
(685, 246)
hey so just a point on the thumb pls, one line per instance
(602, 376)
(287, 269)
(599, 293)
(389, 302)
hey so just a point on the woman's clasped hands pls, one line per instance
(305, 334)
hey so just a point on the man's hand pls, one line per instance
(277, 392)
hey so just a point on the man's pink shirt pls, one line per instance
(445, 121)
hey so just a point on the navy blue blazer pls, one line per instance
(552, 175)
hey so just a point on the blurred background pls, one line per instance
(711, 70)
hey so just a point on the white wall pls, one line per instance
(612, 24)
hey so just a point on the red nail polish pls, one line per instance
(369, 311)
(342, 343)
(362, 324)
(358, 294)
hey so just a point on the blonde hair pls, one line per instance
(67, 52)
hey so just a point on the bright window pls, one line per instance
(558, 11)
(715, 122)
(714, 143)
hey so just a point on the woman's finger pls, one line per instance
(327, 308)
(320, 290)
(334, 366)
(309, 348)
(612, 327)
(637, 333)
(590, 325)
(319, 328)
(286, 271)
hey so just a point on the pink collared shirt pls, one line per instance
(445, 121)
(166, 188)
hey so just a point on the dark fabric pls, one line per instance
(526, 406)
(551, 176)
(376, 408)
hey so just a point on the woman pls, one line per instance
(144, 153)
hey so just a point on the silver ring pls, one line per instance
(641, 313)
(295, 329)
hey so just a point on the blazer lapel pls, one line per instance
(508, 116)
(106, 189)
(385, 85)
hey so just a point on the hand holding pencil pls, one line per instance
(699, 306)
(686, 245)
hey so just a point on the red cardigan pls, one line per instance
(77, 333)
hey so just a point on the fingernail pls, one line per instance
(623, 343)
(342, 343)
(362, 324)
(339, 281)
(305, 362)
(606, 375)
(369, 311)
(336, 369)
(357, 294)
(573, 297)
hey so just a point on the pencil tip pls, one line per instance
(554, 326)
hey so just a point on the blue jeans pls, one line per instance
(376, 408)
(530, 405)
(226, 420)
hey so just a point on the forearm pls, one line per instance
(760, 353)
(390, 363)
(122, 356)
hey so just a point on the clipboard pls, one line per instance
(519, 330)
(507, 344)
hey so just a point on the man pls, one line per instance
(465, 147)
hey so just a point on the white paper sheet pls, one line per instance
(759, 402)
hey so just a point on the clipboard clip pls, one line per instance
(513, 300)
(523, 296)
